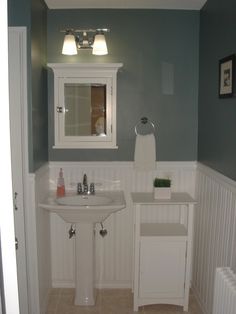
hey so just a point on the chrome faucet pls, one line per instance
(83, 188)
(85, 179)
(85, 184)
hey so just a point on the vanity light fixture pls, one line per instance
(81, 39)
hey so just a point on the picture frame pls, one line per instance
(226, 76)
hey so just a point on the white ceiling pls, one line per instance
(126, 4)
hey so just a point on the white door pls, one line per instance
(17, 87)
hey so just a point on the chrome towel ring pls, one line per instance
(144, 120)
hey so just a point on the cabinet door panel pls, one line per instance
(162, 268)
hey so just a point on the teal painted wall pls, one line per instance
(19, 13)
(143, 40)
(32, 14)
(217, 117)
(39, 83)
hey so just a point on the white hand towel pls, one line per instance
(145, 152)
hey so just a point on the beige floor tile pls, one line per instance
(65, 305)
(66, 291)
(52, 303)
(85, 310)
(162, 308)
(111, 301)
(55, 291)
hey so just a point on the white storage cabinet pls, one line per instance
(162, 253)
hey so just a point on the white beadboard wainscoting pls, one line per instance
(215, 232)
(114, 252)
(38, 241)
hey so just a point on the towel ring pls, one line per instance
(144, 120)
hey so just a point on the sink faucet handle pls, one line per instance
(79, 188)
(92, 188)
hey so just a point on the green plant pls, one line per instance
(161, 183)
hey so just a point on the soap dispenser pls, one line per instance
(60, 185)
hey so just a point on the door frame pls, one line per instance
(19, 150)
(9, 287)
(29, 201)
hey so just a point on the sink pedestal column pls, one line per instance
(84, 263)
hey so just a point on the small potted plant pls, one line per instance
(162, 188)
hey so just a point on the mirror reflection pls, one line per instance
(85, 109)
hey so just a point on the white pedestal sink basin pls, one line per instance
(76, 208)
(85, 211)
(85, 200)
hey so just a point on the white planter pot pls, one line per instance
(162, 193)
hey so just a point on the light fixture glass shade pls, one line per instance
(100, 45)
(69, 45)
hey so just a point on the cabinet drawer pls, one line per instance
(162, 267)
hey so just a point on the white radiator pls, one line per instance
(224, 291)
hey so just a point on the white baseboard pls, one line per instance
(110, 285)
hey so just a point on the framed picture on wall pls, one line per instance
(226, 76)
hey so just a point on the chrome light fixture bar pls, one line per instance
(80, 39)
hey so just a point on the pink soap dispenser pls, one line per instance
(60, 185)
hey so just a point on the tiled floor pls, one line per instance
(110, 301)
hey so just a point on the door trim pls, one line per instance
(6, 215)
(30, 233)
(17, 101)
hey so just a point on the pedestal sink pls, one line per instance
(85, 211)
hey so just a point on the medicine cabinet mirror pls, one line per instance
(85, 105)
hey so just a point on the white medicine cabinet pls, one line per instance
(85, 104)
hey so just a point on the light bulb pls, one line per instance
(69, 45)
(99, 45)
